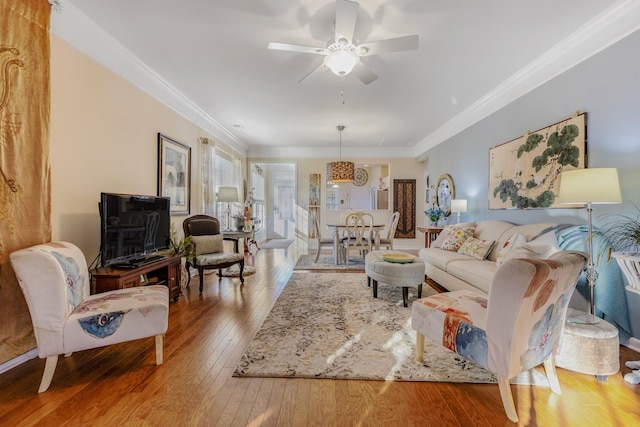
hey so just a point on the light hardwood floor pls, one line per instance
(120, 385)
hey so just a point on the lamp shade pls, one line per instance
(341, 171)
(228, 194)
(458, 205)
(593, 185)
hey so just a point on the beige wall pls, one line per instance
(400, 168)
(103, 138)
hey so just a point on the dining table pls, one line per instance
(338, 227)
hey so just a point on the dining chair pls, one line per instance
(322, 241)
(391, 231)
(517, 327)
(359, 227)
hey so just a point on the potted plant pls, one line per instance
(624, 233)
(434, 214)
(181, 247)
(239, 221)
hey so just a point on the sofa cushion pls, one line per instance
(440, 259)
(542, 247)
(455, 236)
(447, 230)
(479, 273)
(479, 249)
(515, 240)
(208, 244)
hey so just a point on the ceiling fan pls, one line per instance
(342, 55)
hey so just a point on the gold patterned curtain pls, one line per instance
(25, 188)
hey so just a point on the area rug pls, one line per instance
(325, 262)
(276, 244)
(329, 326)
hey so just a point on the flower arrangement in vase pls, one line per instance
(434, 214)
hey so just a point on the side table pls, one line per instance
(234, 236)
(589, 349)
(430, 233)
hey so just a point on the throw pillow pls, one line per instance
(448, 230)
(542, 247)
(515, 240)
(479, 249)
(208, 244)
(455, 237)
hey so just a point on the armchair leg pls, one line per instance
(552, 375)
(159, 350)
(241, 264)
(49, 369)
(419, 347)
(201, 277)
(507, 399)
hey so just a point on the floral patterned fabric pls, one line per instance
(518, 326)
(54, 280)
(513, 241)
(455, 236)
(479, 249)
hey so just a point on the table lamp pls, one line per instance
(229, 195)
(589, 186)
(458, 205)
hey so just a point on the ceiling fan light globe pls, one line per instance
(341, 62)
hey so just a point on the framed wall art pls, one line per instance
(445, 192)
(174, 174)
(404, 202)
(525, 173)
(314, 203)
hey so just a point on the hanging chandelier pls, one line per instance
(341, 171)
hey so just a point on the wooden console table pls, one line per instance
(166, 271)
(430, 233)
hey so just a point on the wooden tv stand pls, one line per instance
(165, 271)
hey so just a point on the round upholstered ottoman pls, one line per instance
(400, 273)
(589, 349)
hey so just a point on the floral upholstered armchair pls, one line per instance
(516, 328)
(55, 281)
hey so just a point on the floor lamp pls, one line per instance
(458, 205)
(229, 195)
(589, 186)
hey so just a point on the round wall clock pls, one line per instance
(360, 177)
(445, 191)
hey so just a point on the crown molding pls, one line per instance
(613, 24)
(328, 152)
(77, 29)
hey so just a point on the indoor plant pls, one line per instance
(624, 233)
(239, 221)
(434, 214)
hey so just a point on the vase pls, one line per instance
(433, 223)
(239, 223)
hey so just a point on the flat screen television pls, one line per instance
(133, 228)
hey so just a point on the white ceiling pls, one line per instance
(214, 52)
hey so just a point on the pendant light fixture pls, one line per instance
(341, 171)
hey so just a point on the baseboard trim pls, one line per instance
(633, 344)
(7, 366)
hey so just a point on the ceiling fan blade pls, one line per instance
(363, 72)
(297, 48)
(389, 45)
(346, 17)
(312, 73)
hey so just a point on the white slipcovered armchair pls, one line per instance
(55, 281)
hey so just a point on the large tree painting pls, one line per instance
(525, 173)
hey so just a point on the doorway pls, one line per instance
(274, 192)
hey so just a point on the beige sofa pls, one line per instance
(456, 271)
